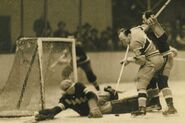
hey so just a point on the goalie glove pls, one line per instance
(44, 115)
(94, 109)
(47, 114)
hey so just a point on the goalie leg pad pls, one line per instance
(94, 109)
(126, 105)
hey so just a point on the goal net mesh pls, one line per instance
(39, 66)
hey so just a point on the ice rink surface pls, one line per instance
(70, 116)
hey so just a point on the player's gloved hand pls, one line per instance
(174, 51)
(152, 20)
(113, 93)
(44, 115)
(127, 60)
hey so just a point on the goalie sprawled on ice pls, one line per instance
(87, 103)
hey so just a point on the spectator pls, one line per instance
(103, 40)
(94, 38)
(41, 27)
(61, 32)
(109, 35)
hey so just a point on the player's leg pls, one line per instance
(86, 66)
(153, 101)
(145, 74)
(163, 86)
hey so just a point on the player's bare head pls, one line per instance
(146, 15)
(124, 35)
(67, 86)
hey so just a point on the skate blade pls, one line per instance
(138, 116)
(153, 110)
(171, 115)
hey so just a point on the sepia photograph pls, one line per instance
(92, 61)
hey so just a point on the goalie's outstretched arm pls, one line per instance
(47, 114)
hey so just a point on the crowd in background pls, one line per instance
(90, 37)
(106, 40)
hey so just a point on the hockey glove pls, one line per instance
(44, 115)
(174, 51)
(113, 93)
(127, 61)
(47, 114)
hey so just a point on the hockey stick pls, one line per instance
(122, 68)
(179, 59)
(59, 59)
(159, 12)
(162, 8)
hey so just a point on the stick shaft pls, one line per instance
(58, 60)
(122, 68)
(159, 12)
(179, 59)
(162, 8)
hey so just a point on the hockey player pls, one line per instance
(157, 34)
(83, 61)
(76, 97)
(86, 103)
(147, 56)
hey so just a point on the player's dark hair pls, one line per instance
(125, 31)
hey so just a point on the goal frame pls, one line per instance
(39, 51)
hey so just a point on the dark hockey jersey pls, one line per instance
(160, 43)
(78, 101)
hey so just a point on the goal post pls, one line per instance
(38, 68)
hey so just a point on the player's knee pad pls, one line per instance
(166, 93)
(142, 85)
(143, 80)
(163, 82)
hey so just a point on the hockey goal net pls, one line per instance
(33, 83)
